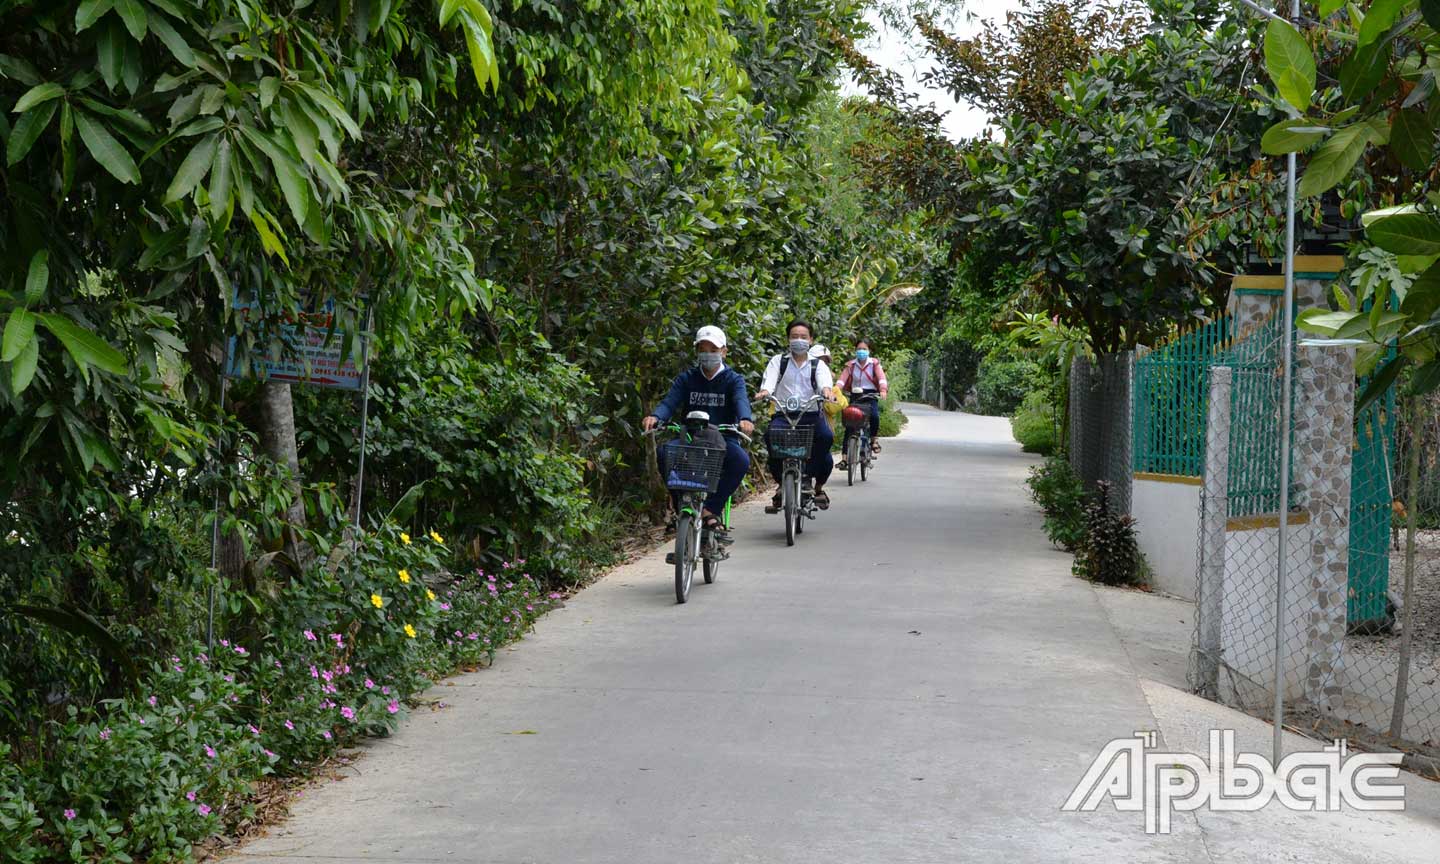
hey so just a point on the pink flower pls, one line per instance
(202, 657)
(445, 607)
(277, 664)
(152, 700)
(270, 753)
(203, 809)
(230, 678)
(385, 690)
(327, 675)
(289, 725)
(314, 673)
(69, 814)
(142, 720)
(105, 734)
(347, 712)
(473, 636)
(369, 685)
(209, 751)
(241, 651)
(310, 635)
(393, 707)
(253, 730)
(225, 642)
(190, 796)
(327, 734)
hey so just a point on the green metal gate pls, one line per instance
(1370, 514)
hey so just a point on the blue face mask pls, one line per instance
(862, 355)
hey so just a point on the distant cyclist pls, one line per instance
(794, 374)
(866, 373)
(719, 391)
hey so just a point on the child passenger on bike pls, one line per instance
(719, 391)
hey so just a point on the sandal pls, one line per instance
(822, 499)
(715, 528)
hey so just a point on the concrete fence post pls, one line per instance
(1214, 511)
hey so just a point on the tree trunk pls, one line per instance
(277, 440)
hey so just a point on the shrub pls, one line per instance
(1033, 424)
(1109, 553)
(1002, 385)
(145, 776)
(1061, 496)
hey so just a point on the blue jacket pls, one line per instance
(722, 397)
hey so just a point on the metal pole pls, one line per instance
(1277, 742)
(364, 422)
(214, 541)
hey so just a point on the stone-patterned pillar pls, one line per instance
(1324, 432)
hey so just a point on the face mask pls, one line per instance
(709, 360)
(799, 346)
(862, 355)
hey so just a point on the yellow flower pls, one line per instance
(405, 576)
(429, 593)
(376, 601)
(404, 538)
(409, 631)
(436, 537)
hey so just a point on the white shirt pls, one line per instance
(797, 380)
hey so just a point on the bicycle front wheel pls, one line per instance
(687, 547)
(852, 455)
(791, 492)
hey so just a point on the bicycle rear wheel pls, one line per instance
(686, 550)
(865, 462)
(711, 561)
(791, 491)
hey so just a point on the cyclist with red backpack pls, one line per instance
(864, 375)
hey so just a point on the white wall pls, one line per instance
(1247, 637)
(1167, 519)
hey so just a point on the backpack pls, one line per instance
(814, 371)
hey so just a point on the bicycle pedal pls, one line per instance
(669, 557)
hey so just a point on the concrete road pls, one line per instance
(919, 679)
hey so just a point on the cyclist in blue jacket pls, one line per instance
(719, 391)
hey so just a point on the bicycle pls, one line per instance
(692, 472)
(793, 444)
(858, 453)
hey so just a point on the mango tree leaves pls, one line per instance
(1412, 233)
(111, 154)
(192, 170)
(37, 94)
(27, 130)
(1291, 64)
(1430, 9)
(19, 333)
(37, 277)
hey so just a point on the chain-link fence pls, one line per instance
(1100, 423)
(1349, 628)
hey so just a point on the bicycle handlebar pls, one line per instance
(676, 427)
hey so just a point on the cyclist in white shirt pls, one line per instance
(794, 375)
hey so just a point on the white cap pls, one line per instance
(710, 333)
(818, 351)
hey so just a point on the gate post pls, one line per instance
(1214, 510)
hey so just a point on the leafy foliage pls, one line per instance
(1033, 423)
(1108, 553)
(1056, 487)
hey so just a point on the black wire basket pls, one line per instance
(693, 469)
(790, 442)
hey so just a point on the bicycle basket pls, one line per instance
(693, 469)
(791, 442)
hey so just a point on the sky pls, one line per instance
(907, 57)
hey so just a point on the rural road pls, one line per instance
(918, 680)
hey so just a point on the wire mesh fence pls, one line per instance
(1100, 424)
(1349, 629)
